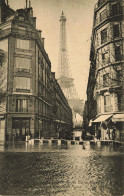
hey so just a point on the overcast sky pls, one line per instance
(79, 14)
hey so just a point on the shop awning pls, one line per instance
(118, 118)
(60, 121)
(102, 118)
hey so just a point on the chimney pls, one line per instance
(39, 33)
(29, 4)
(42, 40)
(30, 12)
(34, 21)
(26, 3)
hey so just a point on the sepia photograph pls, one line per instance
(62, 97)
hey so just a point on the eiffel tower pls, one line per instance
(64, 76)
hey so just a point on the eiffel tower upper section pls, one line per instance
(64, 74)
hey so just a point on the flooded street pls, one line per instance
(49, 170)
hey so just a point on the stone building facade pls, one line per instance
(31, 99)
(107, 69)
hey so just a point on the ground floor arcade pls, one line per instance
(17, 127)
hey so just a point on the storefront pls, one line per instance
(111, 127)
(118, 119)
(20, 128)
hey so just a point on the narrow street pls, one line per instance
(68, 170)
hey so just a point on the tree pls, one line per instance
(3, 80)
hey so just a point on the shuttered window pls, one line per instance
(23, 44)
(22, 84)
(21, 105)
(107, 103)
(22, 63)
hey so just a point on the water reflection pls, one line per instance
(68, 170)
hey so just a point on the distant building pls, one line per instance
(31, 100)
(105, 90)
(77, 120)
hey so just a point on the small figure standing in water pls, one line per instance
(98, 134)
(113, 133)
(108, 132)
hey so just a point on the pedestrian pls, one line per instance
(30, 134)
(99, 134)
(113, 133)
(108, 132)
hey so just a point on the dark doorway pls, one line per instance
(21, 127)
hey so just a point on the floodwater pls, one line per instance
(51, 170)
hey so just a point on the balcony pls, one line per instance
(22, 70)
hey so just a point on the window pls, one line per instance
(103, 15)
(120, 101)
(107, 103)
(23, 44)
(40, 89)
(106, 80)
(105, 57)
(99, 105)
(116, 31)
(21, 105)
(22, 63)
(104, 36)
(117, 53)
(22, 84)
(119, 76)
(115, 9)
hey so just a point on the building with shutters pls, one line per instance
(105, 90)
(31, 99)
